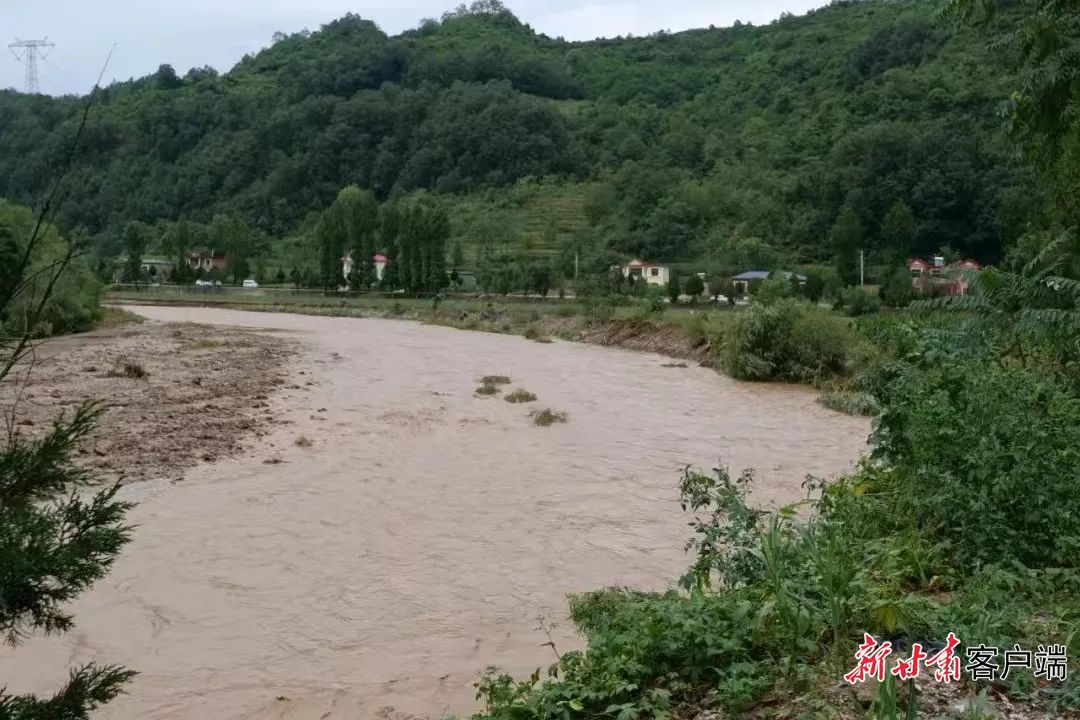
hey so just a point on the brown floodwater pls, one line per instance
(419, 538)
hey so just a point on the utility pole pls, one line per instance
(30, 50)
(862, 266)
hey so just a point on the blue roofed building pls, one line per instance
(745, 283)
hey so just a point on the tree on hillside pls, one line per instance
(234, 238)
(539, 276)
(492, 233)
(814, 287)
(694, 287)
(465, 110)
(416, 237)
(436, 231)
(847, 239)
(898, 291)
(898, 231)
(1043, 109)
(500, 273)
(360, 213)
(135, 240)
(457, 256)
(389, 227)
(330, 237)
(674, 287)
(180, 242)
(774, 288)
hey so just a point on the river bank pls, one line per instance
(674, 334)
(175, 395)
(393, 533)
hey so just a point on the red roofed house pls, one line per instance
(207, 260)
(935, 276)
(380, 266)
(653, 273)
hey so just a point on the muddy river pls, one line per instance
(377, 569)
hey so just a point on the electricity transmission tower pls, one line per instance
(28, 50)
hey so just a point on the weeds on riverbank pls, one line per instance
(963, 518)
(849, 402)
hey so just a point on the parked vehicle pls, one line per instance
(251, 284)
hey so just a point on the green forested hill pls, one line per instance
(800, 137)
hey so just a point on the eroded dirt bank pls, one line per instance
(175, 395)
(396, 533)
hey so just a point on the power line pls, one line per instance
(30, 50)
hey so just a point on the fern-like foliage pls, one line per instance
(1036, 310)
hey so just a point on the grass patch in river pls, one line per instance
(495, 380)
(547, 417)
(520, 396)
(487, 389)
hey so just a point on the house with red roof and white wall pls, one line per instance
(652, 273)
(940, 278)
(378, 259)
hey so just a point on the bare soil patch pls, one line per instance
(176, 394)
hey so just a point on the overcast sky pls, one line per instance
(219, 32)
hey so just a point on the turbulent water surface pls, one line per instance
(419, 537)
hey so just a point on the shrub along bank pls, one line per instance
(964, 517)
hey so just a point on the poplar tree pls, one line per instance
(360, 215)
(330, 241)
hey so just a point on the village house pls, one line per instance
(155, 268)
(379, 261)
(745, 283)
(652, 273)
(207, 260)
(937, 277)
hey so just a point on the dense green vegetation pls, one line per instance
(861, 125)
(68, 302)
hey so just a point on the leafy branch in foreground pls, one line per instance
(1035, 311)
(87, 688)
(51, 552)
(55, 543)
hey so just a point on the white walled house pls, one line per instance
(379, 261)
(653, 273)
